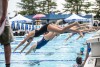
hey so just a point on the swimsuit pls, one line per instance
(42, 30)
(41, 43)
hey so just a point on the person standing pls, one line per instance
(6, 36)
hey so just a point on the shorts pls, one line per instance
(7, 36)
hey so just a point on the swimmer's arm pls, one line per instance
(32, 48)
(87, 55)
(77, 31)
(56, 34)
(26, 46)
(22, 42)
(79, 37)
(27, 37)
(69, 37)
(73, 30)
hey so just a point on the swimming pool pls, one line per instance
(57, 52)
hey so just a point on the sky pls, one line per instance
(12, 6)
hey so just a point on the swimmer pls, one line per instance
(79, 62)
(51, 28)
(46, 38)
(83, 28)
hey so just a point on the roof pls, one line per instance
(53, 16)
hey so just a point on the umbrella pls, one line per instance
(38, 16)
(20, 18)
(75, 18)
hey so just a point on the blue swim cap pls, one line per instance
(82, 49)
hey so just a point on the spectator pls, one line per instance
(6, 36)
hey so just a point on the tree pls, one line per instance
(27, 6)
(46, 6)
(98, 10)
(36, 6)
(76, 6)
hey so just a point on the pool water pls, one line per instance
(56, 53)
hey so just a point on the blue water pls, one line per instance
(56, 53)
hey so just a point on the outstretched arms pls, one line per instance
(26, 45)
(47, 37)
(69, 36)
(22, 42)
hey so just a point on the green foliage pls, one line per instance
(76, 6)
(36, 6)
(97, 11)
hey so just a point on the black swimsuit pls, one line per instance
(94, 24)
(42, 30)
